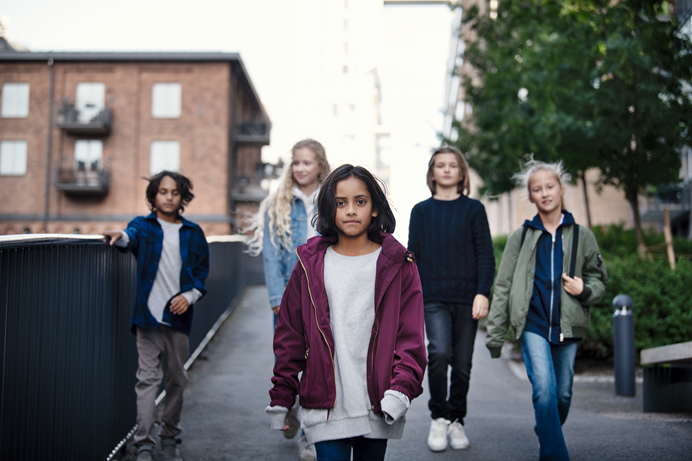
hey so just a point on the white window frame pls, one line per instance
(13, 156)
(166, 100)
(90, 99)
(89, 152)
(164, 155)
(15, 100)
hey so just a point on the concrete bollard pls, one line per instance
(623, 345)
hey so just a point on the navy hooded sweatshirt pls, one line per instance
(544, 309)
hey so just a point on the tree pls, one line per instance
(587, 82)
(644, 113)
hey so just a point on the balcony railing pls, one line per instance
(72, 122)
(675, 200)
(74, 181)
(253, 133)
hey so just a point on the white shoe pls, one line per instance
(457, 436)
(306, 452)
(437, 438)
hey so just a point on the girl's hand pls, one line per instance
(179, 304)
(114, 235)
(573, 286)
(480, 307)
(275, 310)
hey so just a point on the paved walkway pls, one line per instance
(224, 417)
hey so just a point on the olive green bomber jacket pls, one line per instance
(514, 286)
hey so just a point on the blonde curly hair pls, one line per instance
(277, 206)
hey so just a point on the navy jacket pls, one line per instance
(544, 309)
(146, 244)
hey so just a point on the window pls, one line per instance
(13, 158)
(165, 100)
(345, 69)
(165, 155)
(15, 100)
(90, 100)
(88, 155)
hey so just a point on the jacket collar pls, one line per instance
(152, 217)
(537, 224)
(389, 262)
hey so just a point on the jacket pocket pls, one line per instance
(311, 417)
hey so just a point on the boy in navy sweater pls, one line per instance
(172, 265)
(450, 237)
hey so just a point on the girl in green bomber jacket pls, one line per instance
(551, 272)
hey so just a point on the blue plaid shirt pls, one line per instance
(146, 244)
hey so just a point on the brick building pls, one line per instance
(79, 131)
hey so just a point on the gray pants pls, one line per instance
(156, 346)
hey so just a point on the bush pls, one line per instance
(662, 305)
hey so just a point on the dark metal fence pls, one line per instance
(67, 357)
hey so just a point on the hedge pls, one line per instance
(662, 301)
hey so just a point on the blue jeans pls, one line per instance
(551, 370)
(340, 450)
(451, 332)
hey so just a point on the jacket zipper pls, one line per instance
(374, 341)
(562, 336)
(552, 285)
(331, 356)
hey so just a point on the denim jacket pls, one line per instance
(146, 244)
(279, 262)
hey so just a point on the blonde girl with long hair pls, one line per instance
(283, 221)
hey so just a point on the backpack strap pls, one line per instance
(523, 236)
(575, 243)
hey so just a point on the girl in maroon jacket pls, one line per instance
(351, 319)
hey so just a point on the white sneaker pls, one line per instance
(437, 438)
(306, 452)
(457, 436)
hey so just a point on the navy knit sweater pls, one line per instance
(454, 252)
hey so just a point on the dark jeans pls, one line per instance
(340, 450)
(451, 332)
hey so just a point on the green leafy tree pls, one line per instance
(644, 111)
(591, 83)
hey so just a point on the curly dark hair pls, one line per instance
(184, 187)
(325, 220)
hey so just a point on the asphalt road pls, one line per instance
(224, 418)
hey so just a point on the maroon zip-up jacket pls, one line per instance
(303, 339)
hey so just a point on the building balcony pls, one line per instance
(676, 199)
(78, 182)
(81, 124)
(256, 133)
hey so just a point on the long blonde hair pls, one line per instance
(277, 206)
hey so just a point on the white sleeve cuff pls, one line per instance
(277, 415)
(192, 296)
(123, 240)
(394, 405)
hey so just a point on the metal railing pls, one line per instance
(67, 357)
(74, 181)
(69, 119)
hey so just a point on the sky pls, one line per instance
(270, 36)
